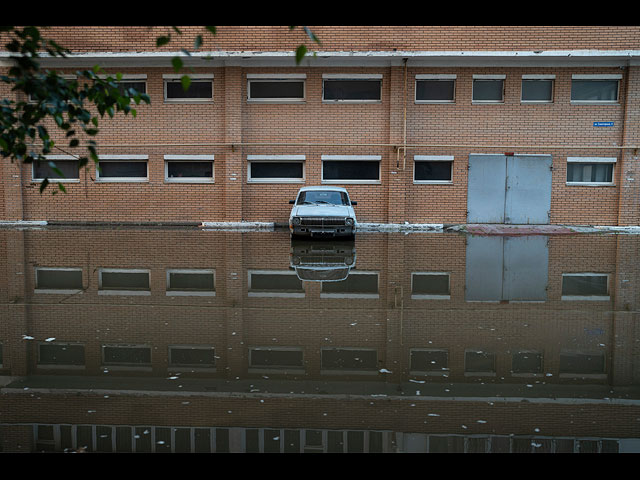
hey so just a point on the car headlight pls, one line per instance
(348, 221)
(295, 220)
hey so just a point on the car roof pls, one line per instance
(337, 189)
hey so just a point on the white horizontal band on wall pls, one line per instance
(352, 76)
(189, 157)
(538, 77)
(595, 76)
(351, 157)
(275, 157)
(276, 76)
(592, 159)
(488, 77)
(433, 158)
(61, 157)
(178, 76)
(125, 76)
(436, 76)
(123, 157)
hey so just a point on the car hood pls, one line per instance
(323, 211)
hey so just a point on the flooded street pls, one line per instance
(195, 340)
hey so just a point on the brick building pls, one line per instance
(434, 124)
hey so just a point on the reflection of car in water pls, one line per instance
(328, 261)
(322, 212)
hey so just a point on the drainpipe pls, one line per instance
(404, 126)
(624, 137)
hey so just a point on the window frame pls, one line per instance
(426, 296)
(596, 298)
(122, 158)
(606, 160)
(482, 77)
(432, 158)
(176, 78)
(60, 366)
(189, 158)
(126, 366)
(439, 78)
(102, 291)
(535, 77)
(274, 293)
(349, 158)
(56, 179)
(443, 372)
(282, 77)
(252, 368)
(177, 367)
(351, 76)
(67, 291)
(479, 373)
(276, 159)
(595, 77)
(126, 78)
(337, 371)
(354, 273)
(190, 293)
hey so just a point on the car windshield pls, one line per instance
(329, 197)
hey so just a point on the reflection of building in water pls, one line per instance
(118, 340)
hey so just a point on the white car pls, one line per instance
(322, 212)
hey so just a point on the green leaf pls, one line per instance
(211, 29)
(177, 63)
(197, 42)
(300, 53)
(160, 41)
(44, 184)
(185, 80)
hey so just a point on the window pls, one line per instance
(128, 82)
(349, 360)
(275, 168)
(274, 283)
(526, 362)
(279, 358)
(582, 363)
(429, 361)
(432, 168)
(58, 280)
(192, 356)
(351, 168)
(595, 88)
(356, 285)
(191, 282)
(435, 88)
(591, 171)
(537, 88)
(188, 168)
(200, 89)
(585, 286)
(122, 168)
(352, 88)
(488, 88)
(282, 88)
(119, 281)
(478, 362)
(430, 286)
(126, 355)
(67, 165)
(61, 354)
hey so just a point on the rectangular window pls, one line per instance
(349, 360)
(275, 168)
(430, 286)
(188, 168)
(126, 355)
(537, 88)
(478, 362)
(126, 86)
(58, 280)
(282, 88)
(196, 356)
(276, 358)
(432, 168)
(61, 354)
(488, 88)
(118, 281)
(582, 363)
(191, 282)
(435, 88)
(274, 283)
(595, 88)
(429, 361)
(122, 168)
(526, 362)
(356, 285)
(592, 171)
(352, 88)
(351, 168)
(68, 169)
(585, 286)
(200, 88)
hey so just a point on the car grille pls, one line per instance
(321, 221)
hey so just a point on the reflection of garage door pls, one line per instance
(514, 189)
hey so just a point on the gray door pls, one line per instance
(513, 189)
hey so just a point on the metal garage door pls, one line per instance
(513, 189)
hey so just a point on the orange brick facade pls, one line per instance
(230, 128)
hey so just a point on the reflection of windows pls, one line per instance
(200, 88)
(356, 285)
(275, 168)
(270, 440)
(349, 360)
(126, 355)
(188, 168)
(595, 88)
(435, 88)
(526, 362)
(593, 170)
(430, 285)
(488, 88)
(537, 88)
(478, 362)
(351, 168)
(432, 168)
(279, 358)
(280, 88)
(191, 282)
(58, 280)
(122, 168)
(66, 165)
(582, 363)
(585, 286)
(429, 361)
(61, 354)
(121, 281)
(194, 356)
(274, 283)
(351, 88)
